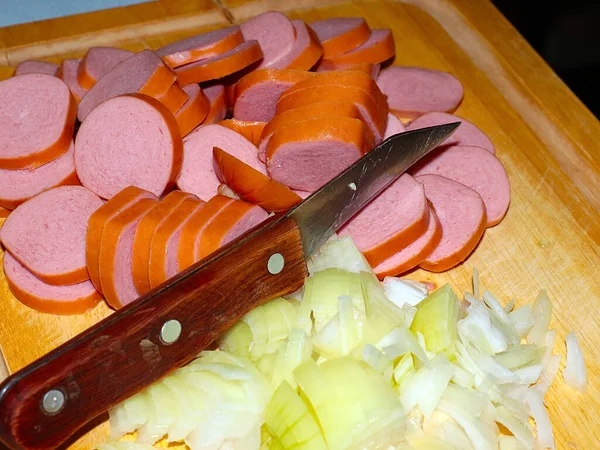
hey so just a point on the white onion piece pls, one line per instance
(482, 436)
(522, 320)
(575, 373)
(551, 365)
(340, 253)
(400, 292)
(545, 436)
(521, 430)
(510, 443)
(542, 311)
(529, 375)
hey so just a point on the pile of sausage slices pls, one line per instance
(182, 149)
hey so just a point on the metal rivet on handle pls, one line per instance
(53, 401)
(276, 263)
(170, 331)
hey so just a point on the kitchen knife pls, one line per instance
(45, 403)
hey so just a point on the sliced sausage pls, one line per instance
(413, 91)
(310, 111)
(37, 118)
(466, 134)
(275, 34)
(67, 71)
(47, 233)
(374, 115)
(462, 216)
(251, 185)
(144, 146)
(371, 69)
(142, 241)
(17, 186)
(394, 126)
(474, 167)
(143, 73)
(46, 298)
(218, 105)
(250, 130)
(116, 254)
(307, 154)
(256, 94)
(97, 62)
(198, 173)
(33, 66)
(393, 220)
(202, 46)
(97, 222)
(340, 35)
(194, 110)
(375, 50)
(165, 242)
(306, 50)
(413, 254)
(4, 212)
(229, 223)
(187, 253)
(174, 98)
(219, 66)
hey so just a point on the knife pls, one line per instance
(45, 403)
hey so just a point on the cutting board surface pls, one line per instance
(550, 237)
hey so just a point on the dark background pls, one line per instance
(567, 35)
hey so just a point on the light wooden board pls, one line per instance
(545, 137)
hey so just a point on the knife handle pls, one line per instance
(130, 349)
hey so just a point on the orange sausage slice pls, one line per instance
(190, 234)
(220, 66)
(97, 62)
(4, 212)
(218, 104)
(174, 98)
(97, 222)
(307, 48)
(142, 240)
(250, 130)
(377, 49)
(251, 185)
(165, 242)
(116, 252)
(341, 35)
(194, 111)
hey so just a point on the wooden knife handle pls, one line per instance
(125, 352)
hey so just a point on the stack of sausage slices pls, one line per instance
(158, 177)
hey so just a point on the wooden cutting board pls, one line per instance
(547, 140)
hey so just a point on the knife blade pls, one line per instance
(45, 403)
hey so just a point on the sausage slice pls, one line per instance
(474, 167)
(97, 222)
(194, 110)
(229, 223)
(187, 253)
(275, 35)
(4, 212)
(375, 50)
(250, 130)
(18, 186)
(37, 117)
(198, 173)
(466, 134)
(413, 254)
(47, 233)
(393, 220)
(31, 291)
(174, 98)
(34, 66)
(394, 126)
(144, 147)
(202, 46)
(116, 253)
(142, 240)
(462, 215)
(251, 185)
(67, 71)
(165, 242)
(218, 105)
(340, 35)
(97, 62)
(306, 50)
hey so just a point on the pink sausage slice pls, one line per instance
(413, 254)
(275, 35)
(197, 172)
(47, 233)
(131, 140)
(462, 215)
(46, 298)
(412, 91)
(474, 167)
(32, 66)
(392, 221)
(143, 73)
(67, 72)
(97, 62)
(37, 118)
(340, 35)
(393, 126)
(306, 50)
(466, 134)
(218, 106)
(18, 186)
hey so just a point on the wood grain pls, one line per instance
(545, 137)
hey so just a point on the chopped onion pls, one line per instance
(401, 292)
(518, 356)
(535, 400)
(339, 253)
(521, 430)
(529, 375)
(400, 341)
(551, 365)
(522, 320)
(510, 443)
(478, 328)
(297, 350)
(542, 311)
(379, 362)
(482, 435)
(575, 373)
